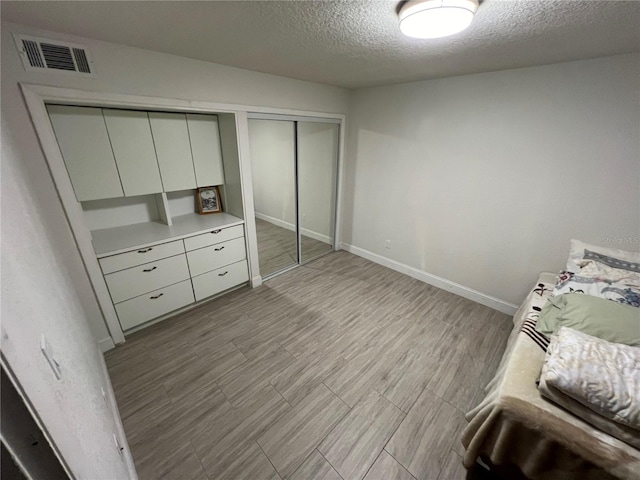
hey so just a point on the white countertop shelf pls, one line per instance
(110, 241)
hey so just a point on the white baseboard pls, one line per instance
(466, 292)
(106, 344)
(110, 399)
(290, 226)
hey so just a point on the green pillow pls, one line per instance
(606, 319)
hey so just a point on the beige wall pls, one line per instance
(482, 180)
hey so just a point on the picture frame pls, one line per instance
(209, 200)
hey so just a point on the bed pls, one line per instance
(515, 426)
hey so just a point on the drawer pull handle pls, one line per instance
(156, 296)
(149, 269)
(223, 274)
(145, 250)
(216, 231)
(218, 249)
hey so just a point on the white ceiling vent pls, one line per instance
(41, 54)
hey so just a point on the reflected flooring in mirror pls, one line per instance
(277, 247)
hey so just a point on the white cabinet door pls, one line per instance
(84, 144)
(171, 138)
(205, 148)
(132, 144)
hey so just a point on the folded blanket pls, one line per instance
(598, 381)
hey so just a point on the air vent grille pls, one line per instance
(81, 60)
(43, 54)
(33, 53)
(58, 57)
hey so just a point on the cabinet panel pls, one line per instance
(219, 280)
(205, 148)
(140, 256)
(171, 138)
(214, 236)
(130, 135)
(154, 304)
(135, 281)
(84, 143)
(209, 258)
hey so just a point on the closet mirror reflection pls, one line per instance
(317, 165)
(294, 170)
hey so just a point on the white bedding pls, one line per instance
(602, 379)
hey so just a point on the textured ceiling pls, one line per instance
(350, 43)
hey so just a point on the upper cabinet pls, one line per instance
(132, 144)
(171, 138)
(205, 149)
(113, 153)
(86, 150)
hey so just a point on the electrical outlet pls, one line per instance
(387, 244)
(48, 354)
(304, 218)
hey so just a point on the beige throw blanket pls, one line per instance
(515, 425)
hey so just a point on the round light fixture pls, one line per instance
(436, 18)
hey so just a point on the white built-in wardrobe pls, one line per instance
(135, 174)
(127, 170)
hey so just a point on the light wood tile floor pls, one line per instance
(340, 369)
(277, 247)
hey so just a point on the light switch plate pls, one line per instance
(45, 347)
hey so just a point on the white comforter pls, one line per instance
(600, 375)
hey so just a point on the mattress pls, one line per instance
(515, 425)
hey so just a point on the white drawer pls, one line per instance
(219, 280)
(154, 304)
(212, 237)
(145, 278)
(209, 258)
(138, 257)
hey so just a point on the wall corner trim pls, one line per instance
(466, 292)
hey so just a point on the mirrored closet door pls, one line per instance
(294, 168)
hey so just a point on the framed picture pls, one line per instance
(209, 200)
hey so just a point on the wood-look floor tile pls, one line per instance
(453, 468)
(203, 370)
(422, 442)
(247, 462)
(204, 410)
(288, 442)
(219, 444)
(207, 340)
(412, 369)
(298, 379)
(456, 379)
(243, 381)
(355, 443)
(456, 443)
(178, 462)
(208, 383)
(315, 467)
(356, 378)
(387, 468)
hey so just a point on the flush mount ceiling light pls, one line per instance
(436, 18)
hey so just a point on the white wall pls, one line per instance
(273, 169)
(45, 288)
(483, 179)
